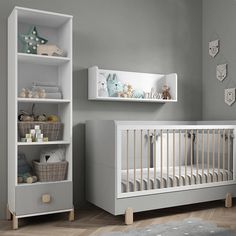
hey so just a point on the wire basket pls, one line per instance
(48, 172)
(52, 130)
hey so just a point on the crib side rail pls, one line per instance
(165, 158)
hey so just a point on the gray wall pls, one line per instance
(218, 20)
(157, 36)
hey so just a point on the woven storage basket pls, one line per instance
(52, 130)
(47, 172)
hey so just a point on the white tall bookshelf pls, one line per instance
(25, 200)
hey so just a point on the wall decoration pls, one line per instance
(230, 96)
(214, 48)
(31, 41)
(221, 71)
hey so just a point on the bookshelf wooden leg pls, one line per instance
(228, 200)
(72, 215)
(129, 218)
(14, 222)
(8, 213)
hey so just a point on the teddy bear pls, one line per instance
(25, 173)
(23, 93)
(39, 93)
(166, 92)
(114, 86)
(127, 91)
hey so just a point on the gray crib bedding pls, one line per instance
(169, 180)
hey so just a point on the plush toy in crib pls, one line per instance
(102, 86)
(114, 86)
(25, 173)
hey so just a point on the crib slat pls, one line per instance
(148, 179)
(208, 155)
(134, 160)
(197, 154)
(191, 155)
(174, 183)
(213, 154)
(167, 151)
(223, 150)
(185, 154)
(203, 153)
(127, 161)
(228, 153)
(155, 160)
(141, 160)
(179, 155)
(161, 158)
(218, 154)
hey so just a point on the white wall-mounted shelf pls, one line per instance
(42, 60)
(140, 81)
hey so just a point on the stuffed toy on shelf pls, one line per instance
(25, 173)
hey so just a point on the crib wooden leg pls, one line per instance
(129, 216)
(8, 213)
(72, 215)
(228, 200)
(14, 222)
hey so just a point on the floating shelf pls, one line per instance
(42, 143)
(42, 60)
(140, 81)
(42, 100)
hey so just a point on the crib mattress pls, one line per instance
(170, 180)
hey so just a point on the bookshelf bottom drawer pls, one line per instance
(43, 198)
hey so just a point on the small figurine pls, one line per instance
(41, 118)
(23, 93)
(127, 91)
(35, 94)
(166, 92)
(28, 93)
(42, 93)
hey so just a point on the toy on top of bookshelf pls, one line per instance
(50, 50)
(32, 43)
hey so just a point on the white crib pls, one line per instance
(134, 166)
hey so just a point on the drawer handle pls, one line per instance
(46, 198)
